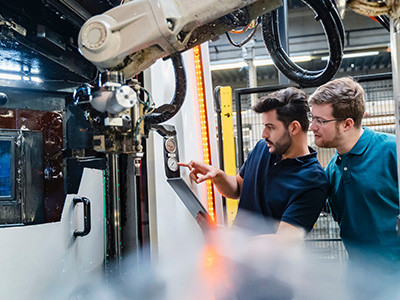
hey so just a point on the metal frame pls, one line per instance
(238, 93)
(11, 140)
(395, 52)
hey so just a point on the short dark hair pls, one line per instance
(290, 104)
(346, 97)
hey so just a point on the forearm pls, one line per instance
(227, 185)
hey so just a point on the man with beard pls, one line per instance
(281, 178)
(364, 195)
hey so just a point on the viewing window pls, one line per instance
(6, 170)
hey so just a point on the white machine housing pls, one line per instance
(132, 36)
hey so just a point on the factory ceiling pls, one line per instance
(366, 49)
(40, 37)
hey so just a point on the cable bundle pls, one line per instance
(369, 8)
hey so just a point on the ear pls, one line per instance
(294, 128)
(348, 124)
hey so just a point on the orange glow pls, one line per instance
(204, 126)
(216, 271)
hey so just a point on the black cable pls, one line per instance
(248, 38)
(327, 14)
(338, 20)
(179, 96)
(384, 21)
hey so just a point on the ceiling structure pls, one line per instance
(367, 49)
(38, 42)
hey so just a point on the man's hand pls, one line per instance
(228, 186)
(200, 171)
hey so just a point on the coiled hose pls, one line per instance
(327, 14)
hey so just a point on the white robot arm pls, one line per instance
(131, 37)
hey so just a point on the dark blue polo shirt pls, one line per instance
(290, 190)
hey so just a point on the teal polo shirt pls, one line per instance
(364, 196)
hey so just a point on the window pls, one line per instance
(6, 170)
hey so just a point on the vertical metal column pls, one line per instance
(248, 53)
(113, 217)
(395, 46)
(129, 205)
(240, 158)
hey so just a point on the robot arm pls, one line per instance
(131, 37)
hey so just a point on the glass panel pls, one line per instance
(5, 168)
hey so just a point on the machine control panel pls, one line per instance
(171, 157)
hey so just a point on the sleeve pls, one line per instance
(330, 192)
(305, 209)
(243, 168)
(332, 209)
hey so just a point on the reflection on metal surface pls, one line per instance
(50, 124)
(21, 177)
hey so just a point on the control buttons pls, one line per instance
(172, 164)
(170, 145)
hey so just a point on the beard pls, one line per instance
(282, 145)
(332, 143)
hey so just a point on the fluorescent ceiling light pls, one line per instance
(10, 76)
(10, 66)
(19, 77)
(35, 70)
(268, 62)
(235, 65)
(356, 54)
(263, 62)
(36, 79)
(301, 58)
(257, 63)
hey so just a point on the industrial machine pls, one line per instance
(104, 137)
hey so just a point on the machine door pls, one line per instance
(49, 261)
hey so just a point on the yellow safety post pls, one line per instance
(228, 146)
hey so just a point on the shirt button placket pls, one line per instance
(346, 171)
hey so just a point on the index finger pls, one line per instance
(183, 164)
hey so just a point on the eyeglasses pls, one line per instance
(320, 122)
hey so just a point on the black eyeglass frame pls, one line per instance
(320, 122)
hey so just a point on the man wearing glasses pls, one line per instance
(364, 195)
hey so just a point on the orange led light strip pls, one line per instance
(204, 125)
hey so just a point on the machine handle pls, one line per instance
(86, 216)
